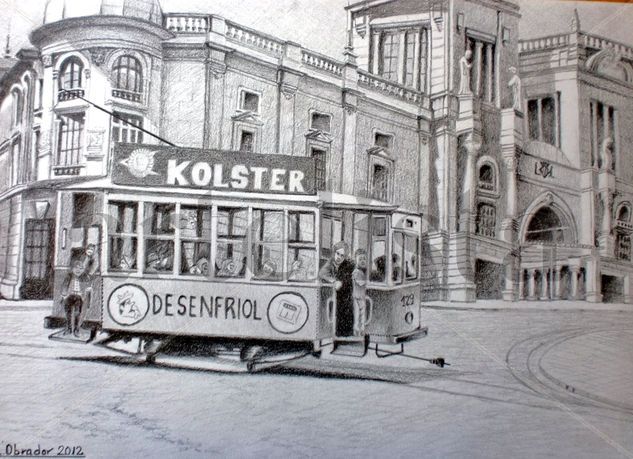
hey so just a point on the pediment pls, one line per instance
(319, 136)
(247, 117)
(380, 152)
(609, 62)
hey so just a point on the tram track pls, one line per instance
(525, 362)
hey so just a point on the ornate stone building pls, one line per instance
(514, 153)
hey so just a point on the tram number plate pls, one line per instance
(408, 300)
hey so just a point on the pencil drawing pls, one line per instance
(424, 208)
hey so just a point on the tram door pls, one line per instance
(38, 259)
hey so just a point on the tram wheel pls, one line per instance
(250, 353)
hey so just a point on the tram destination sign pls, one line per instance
(159, 166)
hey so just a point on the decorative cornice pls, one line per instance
(288, 90)
(319, 136)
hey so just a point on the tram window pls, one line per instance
(378, 252)
(159, 242)
(379, 261)
(161, 217)
(302, 263)
(301, 227)
(397, 258)
(411, 257)
(122, 236)
(301, 246)
(195, 232)
(331, 233)
(361, 232)
(268, 235)
(231, 252)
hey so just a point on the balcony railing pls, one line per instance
(254, 39)
(187, 23)
(549, 42)
(127, 95)
(321, 62)
(593, 41)
(389, 87)
(69, 94)
(67, 170)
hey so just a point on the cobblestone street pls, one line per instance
(524, 383)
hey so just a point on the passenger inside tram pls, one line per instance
(227, 268)
(268, 270)
(160, 255)
(379, 269)
(396, 272)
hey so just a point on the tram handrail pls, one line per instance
(331, 306)
(370, 310)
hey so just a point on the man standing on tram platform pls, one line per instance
(338, 271)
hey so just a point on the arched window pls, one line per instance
(71, 73)
(18, 106)
(623, 234)
(625, 214)
(487, 177)
(127, 78)
(545, 226)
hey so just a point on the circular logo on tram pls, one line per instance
(287, 312)
(128, 304)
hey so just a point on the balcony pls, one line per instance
(132, 96)
(389, 88)
(69, 94)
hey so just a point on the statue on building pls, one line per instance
(464, 73)
(515, 85)
(607, 154)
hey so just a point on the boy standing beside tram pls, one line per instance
(359, 293)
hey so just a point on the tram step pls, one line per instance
(350, 347)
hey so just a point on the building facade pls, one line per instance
(513, 153)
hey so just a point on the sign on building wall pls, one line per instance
(152, 165)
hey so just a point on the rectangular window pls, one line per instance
(301, 246)
(249, 101)
(623, 246)
(231, 258)
(483, 71)
(544, 119)
(380, 182)
(122, 236)
(160, 220)
(246, 141)
(69, 142)
(195, 237)
(320, 168)
(603, 133)
(383, 140)
(409, 59)
(268, 238)
(320, 122)
(126, 129)
(389, 48)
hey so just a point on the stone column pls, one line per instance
(592, 279)
(288, 85)
(350, 117)
(556, 284)
(472, 144)
(489, 80)
(531, 284)
(477, 68)
(575, 270)
(544, 284)
(375, 52)
(626, 287)
(521, 284)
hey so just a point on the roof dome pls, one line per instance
(148, 10)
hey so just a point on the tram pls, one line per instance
(217, 254)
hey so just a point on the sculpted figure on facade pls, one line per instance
(464, 73)
(515, 85)
(607, 154)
